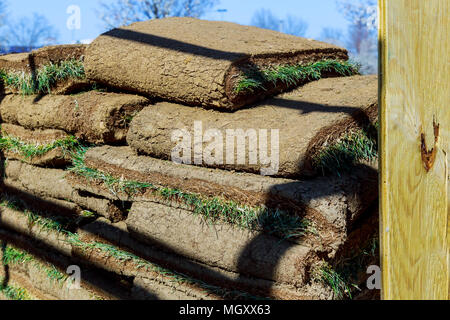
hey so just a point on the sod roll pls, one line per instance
(220, 245)
(95, 117)
(279, 137)
(50, 185)
(118, 234)
(333, 202)
(195, 61)
(31, 61)
(46, 148)
(37, 137)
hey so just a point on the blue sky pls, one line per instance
(318, 14)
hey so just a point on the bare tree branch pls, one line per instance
(294, 26)
(361, 14)
(125, 12)
(264, 18)
(361, 40)
(332, 35)
(30, 33)
(3, 13)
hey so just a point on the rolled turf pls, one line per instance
(201, 63)
(46, 148)
(118, 174)
(31, 61)
(296, 126)
(95, 117)
(49, 184)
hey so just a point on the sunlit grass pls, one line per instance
(13, 292)
(341, 278)
(254, 78)
(27, 150)
(13, 256)
(44, 78)
(346, 152)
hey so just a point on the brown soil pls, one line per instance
(52, 159)
(71, 86)
(50, 183)
(31, 61)
(195, 61)
(93, 116)
(20, 279)
(159, 285)
(35, 272)
(13, 220)
(19, 223)
(306, 118)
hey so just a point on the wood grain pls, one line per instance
(414, 92)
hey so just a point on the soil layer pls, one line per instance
(56, 158)
(219, 245)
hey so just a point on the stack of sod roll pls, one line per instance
(187, 159)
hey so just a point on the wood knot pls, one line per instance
(429, 157)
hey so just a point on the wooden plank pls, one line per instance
(414, 179)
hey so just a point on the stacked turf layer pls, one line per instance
(45, 148)
(95, 117)
(45, 249)
(87, 179)
(206, 63)
(41, 57)
(307, 119)
(238, 223)
(55, 69)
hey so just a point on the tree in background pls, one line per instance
(2, 23)
(30, 33)
(361, 40)
(264, 18)
(332, 35)
(2, 12)
(124, 12)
